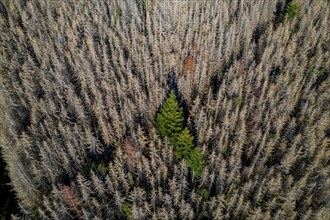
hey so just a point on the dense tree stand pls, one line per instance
(90, 130)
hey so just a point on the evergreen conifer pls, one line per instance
(195, 162)
(170, 119)
(185, 150)
(184, 144)
(293, 9)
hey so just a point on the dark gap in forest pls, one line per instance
(278, 12)
(246, 160)
(39, 92)
(260, 45)
(98, 162)
(22, 116)
(81, 35)
(3, 10)
(126, 53)
(8, 202)
(63, 179)
(275, 159)
(215, 83)
(320, 78)
(274, 72)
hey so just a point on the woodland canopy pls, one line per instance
(156, 109)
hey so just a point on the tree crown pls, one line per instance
(170, 118)
(293, 9)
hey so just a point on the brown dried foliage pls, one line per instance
(131, 154)
(189, 63)
(71, 200)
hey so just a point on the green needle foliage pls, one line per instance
(170, 119)
(119, 12)
(127, 210)
(204, 193)
(293, 9)
(184, 149)
(184, 145)
(195, 162)
(170, 124)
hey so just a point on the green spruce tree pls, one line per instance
(169, 123)
(293, 9)
(184, 144)
(184, 149)
(195, 162)
(170, 118)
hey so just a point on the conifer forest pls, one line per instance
(165, 109)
